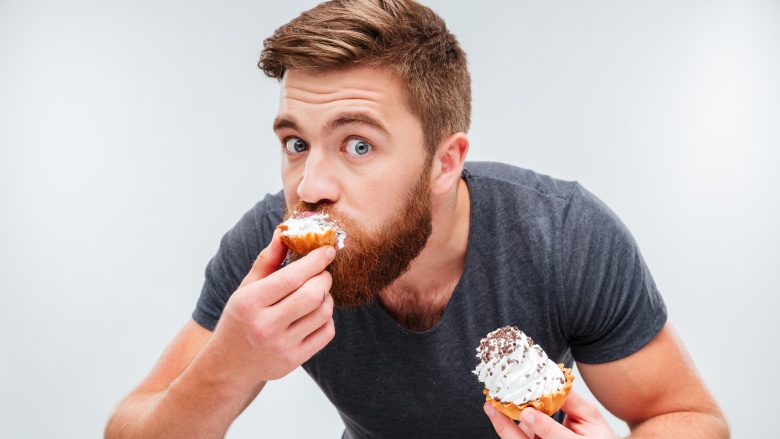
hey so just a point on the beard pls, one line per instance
(370, 261)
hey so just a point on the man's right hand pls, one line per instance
(278, 318)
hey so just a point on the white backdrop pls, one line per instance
(134, 134)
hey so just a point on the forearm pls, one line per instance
(149, 415)
(684, 425)
(201, 402)
(273, 323)
(177, 412)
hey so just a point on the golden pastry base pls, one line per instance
(303, 244)
(547, 404)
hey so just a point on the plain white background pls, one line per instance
(134, 134)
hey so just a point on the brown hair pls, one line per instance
(402, 35)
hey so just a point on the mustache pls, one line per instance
(322, 207)
(345, 222)
(303, 206)
(355, 236)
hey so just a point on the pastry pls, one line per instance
(302, 233)
(517, 374)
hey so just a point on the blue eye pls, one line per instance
(295, 145)
(358, 147)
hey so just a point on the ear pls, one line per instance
(448, 162)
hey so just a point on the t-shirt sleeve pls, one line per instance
(612, 305)
(237, 252)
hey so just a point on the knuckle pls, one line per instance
(312, 299)
(240, 304)
(292, 280)
(500, 428)
(265, 328)
(261, 258)
(327, 278)
(329, 331)
(261, 331)
(544, 429)
(326, 310)
(288, 357)
(592, 411)
(279, 349)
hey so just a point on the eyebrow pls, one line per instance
(355, 117)
(282, 123)
(342, 120)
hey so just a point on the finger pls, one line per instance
(279, 284)
(309, 307)
(305, 299)
(315, 331)
(319, 338)
(578, 407)
(267, 261)
(301, 328)
(544, 426)
(527, 431)
(505, 427)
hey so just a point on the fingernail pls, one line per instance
(527, 417)
(490, 410)
(330, 252)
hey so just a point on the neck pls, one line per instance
(418, 298)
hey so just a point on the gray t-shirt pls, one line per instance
(543, 254)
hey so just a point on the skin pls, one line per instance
(656, 390)
(273, 322)
(325, 111)
(278, 319)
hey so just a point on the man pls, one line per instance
(374, 109)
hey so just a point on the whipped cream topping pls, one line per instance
(315, 223)
(514, 369)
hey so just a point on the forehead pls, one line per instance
(366, 88)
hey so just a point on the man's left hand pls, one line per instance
(583, 420)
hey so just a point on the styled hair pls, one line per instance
(403, 36)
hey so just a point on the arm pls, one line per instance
(158, 408)
(274, 322)
(656, 390)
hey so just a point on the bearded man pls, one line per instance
(372, 123)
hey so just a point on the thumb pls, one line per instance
(578, 408)
(544, 426)
(267, 261)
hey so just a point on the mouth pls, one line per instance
(303, 214)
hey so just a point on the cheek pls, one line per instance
(290, 183)
(290, 198)
(378, 201)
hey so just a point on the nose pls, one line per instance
(320, 181)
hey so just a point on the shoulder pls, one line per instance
(531, 191)
(503, 189)
(269, 211)
(502, 176)
(525, 194)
